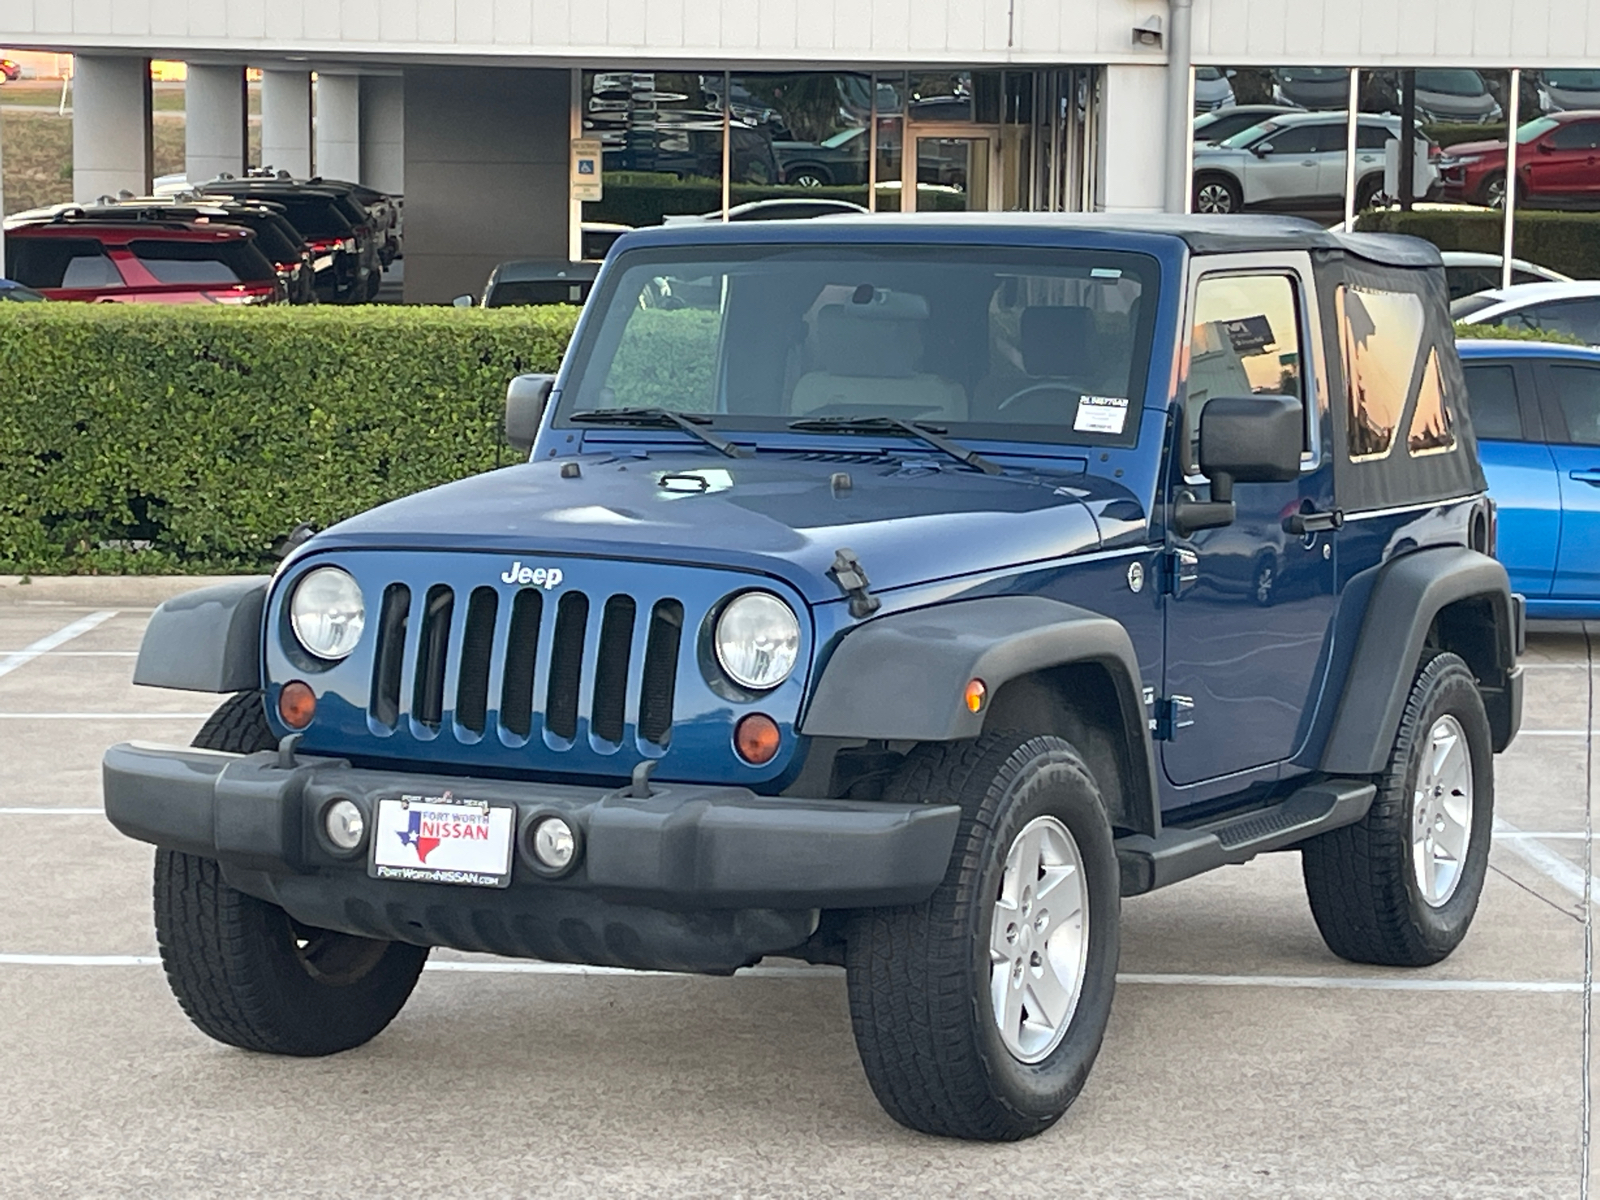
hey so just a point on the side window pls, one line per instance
(1373, 137)
(1577, 391)
(53, 262)
(1246, 341)
(1578, 135)
(1432, 423)
(1298, 139)
(1381, 334)
(1492, 400)
(1580, 318)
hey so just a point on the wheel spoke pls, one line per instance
(1050, 887)
(1002, 931)
(1051, 998)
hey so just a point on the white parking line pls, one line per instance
(83, 653)
(1564, 874)
(1353, 983)
(49, 642)
(101, 716)
(52, 812)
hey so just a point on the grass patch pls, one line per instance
(36, 149)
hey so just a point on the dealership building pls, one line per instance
(481, 112)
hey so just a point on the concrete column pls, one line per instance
(1132, 149)
(383, 133)
(286, 121)
(338, 127)
(486, 173)
(215, 114)
(111, 146)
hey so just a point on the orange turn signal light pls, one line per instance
(756, 738)
(975, 695)
(297, 704)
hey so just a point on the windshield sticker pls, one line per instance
(1101, 414)
(1105, 273)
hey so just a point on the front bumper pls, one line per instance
(693, 877)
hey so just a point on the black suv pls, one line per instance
(343, 242)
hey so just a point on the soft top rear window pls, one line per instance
(1025, 344)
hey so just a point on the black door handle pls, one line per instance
(1311, 521)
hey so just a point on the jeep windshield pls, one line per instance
(999, 343)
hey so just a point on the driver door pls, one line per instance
(1248, 605)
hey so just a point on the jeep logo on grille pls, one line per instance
(545, 577)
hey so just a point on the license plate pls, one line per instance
(443, 839)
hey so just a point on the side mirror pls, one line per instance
(463, 301)
(526, 397)
(1243, 439)
(1544, 147)
(1261, 149)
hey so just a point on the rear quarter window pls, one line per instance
(55, 262)
(202, 263)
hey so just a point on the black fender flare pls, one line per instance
(903, 677)
(208, 640)
(1407, 596)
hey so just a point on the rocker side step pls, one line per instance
(1181, 852)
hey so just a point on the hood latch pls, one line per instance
(851, 577)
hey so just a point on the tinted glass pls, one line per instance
(1381, 337)
(1579, 318)
(1451, 83)
(1463, 308)
(313, 216)
(1492, 399)
(202, 263)
(1578, 392)
(1575, 135)
(50, 262)
(1578, 81)
(1468, 281)
(1305, 139)
(1373, 137)
(968, 338)
(1225, 125)
(1246, 342)
(542, 291)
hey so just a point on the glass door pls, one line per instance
(954, 169)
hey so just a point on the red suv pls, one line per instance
(177, 262)
(1558, 164)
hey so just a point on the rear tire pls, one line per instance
(243, 970)
(925, 981)
(1368, 883)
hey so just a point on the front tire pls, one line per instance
(1217, 195)
(1400, 888)
(248, 974)
(1024, 925)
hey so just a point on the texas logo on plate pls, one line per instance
(438, 839)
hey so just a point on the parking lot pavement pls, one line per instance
(1242, 1058)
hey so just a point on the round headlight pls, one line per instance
(327, 613)
(758, 640)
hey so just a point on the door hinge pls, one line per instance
(1172, 713)
(851, 577)
(1180, 567)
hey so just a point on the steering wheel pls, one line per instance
(1048, 386)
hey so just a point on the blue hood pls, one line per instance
(909, 519)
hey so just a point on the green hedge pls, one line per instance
(144, 440)
(1453, 134)
(1568, 242)
(1514, 333)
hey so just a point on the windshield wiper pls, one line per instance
(688, 422)
(930, 434)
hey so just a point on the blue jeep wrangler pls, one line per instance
(898, 594)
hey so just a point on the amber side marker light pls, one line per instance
(975, 695)
(297, 704)
(756, 738)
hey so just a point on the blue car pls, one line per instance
(1536, 410)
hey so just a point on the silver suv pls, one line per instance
(1295, 161)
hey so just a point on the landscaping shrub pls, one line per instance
(1514, 333)
(1564, 241)
(147, 440)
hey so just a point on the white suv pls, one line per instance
(1296, 161)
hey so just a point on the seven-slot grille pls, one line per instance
(564, 657)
